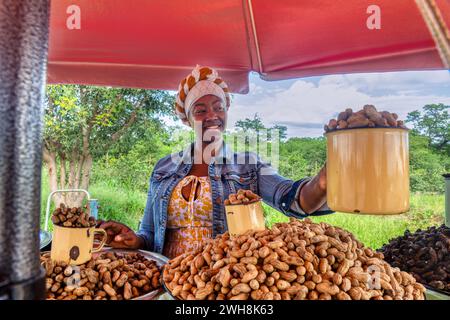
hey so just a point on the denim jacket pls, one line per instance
(228, 172)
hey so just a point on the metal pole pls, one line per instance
(23, 57)
(447, 199)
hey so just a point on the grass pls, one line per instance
(374, 231)
(127, 206)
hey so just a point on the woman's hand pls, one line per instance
(322, 178)
(120, 236)
(314, 193)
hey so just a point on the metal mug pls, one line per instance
(244, 217)
(75, 246)
(368, 171)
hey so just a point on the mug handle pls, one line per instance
(102, 243)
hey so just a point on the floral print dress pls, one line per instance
(189, 220)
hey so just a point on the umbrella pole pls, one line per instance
(24, 29)
(447, 199)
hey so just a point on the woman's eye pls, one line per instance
(219, 108)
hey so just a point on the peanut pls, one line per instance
(296, 260)
(367, 117)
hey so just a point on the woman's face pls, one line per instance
(209, 117)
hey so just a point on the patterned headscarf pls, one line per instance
(201, 82)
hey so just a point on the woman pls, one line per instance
(187, 190)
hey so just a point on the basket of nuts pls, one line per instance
(426, 254)
(367, 162)
(299, 260)
(244, 212)
(113, 274)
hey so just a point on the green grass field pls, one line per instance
(127, 206)
(374, 231)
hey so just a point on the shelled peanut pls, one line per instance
(424, 253)
(241, 197)
(298, 260)
(111, 276)
(368, 117)
(74, 217)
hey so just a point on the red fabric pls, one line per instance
(154, 44)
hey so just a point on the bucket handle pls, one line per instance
(49, 200)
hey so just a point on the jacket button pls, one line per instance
(218, 200)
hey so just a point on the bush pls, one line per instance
(426, 166)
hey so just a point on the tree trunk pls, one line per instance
(80, 168)
(50, 159)
(62, 171)
(86, 172)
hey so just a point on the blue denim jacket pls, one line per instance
(228, 172)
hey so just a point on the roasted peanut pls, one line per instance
(296, 260)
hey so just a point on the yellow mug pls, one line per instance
(244, 217)
(75, 245)
(368, 170)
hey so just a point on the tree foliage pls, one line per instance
(82, 123)
(434, 123)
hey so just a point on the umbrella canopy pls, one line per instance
(154, 44)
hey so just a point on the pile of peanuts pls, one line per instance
(72, 217)
(368, 117)
(298, 260)
(424, 253)
(111, 276)
(241, 197)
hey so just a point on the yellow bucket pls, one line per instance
(368, 170)
(244, 217)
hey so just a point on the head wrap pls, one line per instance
(201, 82)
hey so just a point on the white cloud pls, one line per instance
(306, 106)
(387, 81)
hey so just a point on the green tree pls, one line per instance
(83, 122)
(302, 157)
(248, 124)
(434, 123)
(130, 169)
(426, 165)
(282, 131)
(258, 135)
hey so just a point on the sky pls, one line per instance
(305, 105)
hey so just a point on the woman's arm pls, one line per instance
(313, 194)
(296, 199)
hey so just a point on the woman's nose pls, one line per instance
(211, 114)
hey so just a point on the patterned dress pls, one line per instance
(189, 221)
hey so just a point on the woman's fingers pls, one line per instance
(99, 222)
(111, 225)
(113, 229)
(125, 240)
(124, 237)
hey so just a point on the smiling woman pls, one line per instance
(185, 204)
(208, 117)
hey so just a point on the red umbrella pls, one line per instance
(154, 44)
